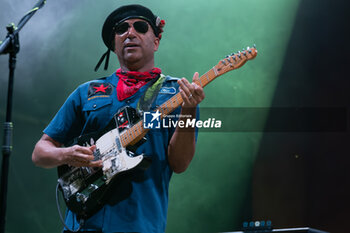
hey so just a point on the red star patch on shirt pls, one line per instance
(101, 88)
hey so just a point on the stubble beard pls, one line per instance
(137, 61)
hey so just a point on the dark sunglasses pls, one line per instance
(139, 26)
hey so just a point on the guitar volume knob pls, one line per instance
(81, 197)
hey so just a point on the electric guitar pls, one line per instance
(84, 188)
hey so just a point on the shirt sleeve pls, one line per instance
(68, 122)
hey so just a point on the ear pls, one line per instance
(156, 43)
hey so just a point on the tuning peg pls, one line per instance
(248, 48)
(223, 62)
(234, 58)
(239, 55)
(232, 54)
(250, 51)
(227, 56)
(254, 46)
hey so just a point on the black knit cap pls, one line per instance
(121, 14)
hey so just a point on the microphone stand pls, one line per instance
(10, 46)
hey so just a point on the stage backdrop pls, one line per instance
(262, 164)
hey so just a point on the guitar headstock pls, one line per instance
(235, 60)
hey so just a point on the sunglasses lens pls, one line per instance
(141, 26)
(121, 28)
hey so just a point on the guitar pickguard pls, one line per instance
(115, 158)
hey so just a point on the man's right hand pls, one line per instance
(80, 156)
(49, 153)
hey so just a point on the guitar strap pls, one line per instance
(147, 99)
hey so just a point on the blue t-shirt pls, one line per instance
(141, 202)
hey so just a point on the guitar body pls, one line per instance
(85, 188)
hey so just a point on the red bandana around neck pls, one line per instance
(131, 81)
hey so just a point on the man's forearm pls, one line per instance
(47, 155)
(182, 144)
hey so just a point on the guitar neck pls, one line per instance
(174, 102)
(135, 133)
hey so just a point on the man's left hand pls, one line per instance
(191, 93)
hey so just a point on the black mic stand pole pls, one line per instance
(11, 46)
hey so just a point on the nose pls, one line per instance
(131, 31)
